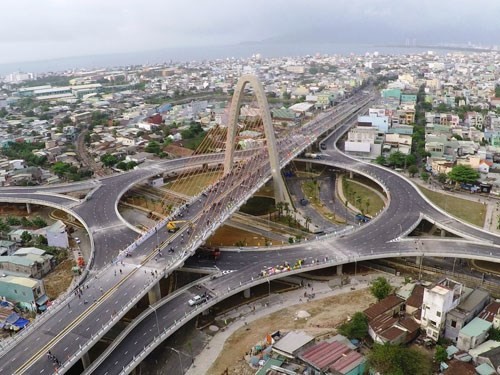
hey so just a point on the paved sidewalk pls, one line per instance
(263, 307)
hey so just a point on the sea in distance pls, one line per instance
(243, 50)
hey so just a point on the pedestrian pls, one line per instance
(120, 271)
(69, 307)
(115, 272)
(49, 354)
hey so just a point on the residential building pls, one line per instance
(292, 343)
(22, 290)
(490, 358)
(468, 308)
(333, 357)
(473, 334)
(437, 301)
(7, 247)
(56, 234)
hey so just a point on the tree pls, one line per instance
(381, 160)
(109, 160)
(396, 159)
(442, 177)
(494, 334)
(410, 160)
(441, 355)
(356, 328)
(39, 222)
(11, 220)
(25, 222)
(4, 227)
(463, 174)
(413, 170)
(153, 147)
(308, 220)
(60, 168)
(380, 288)
(26, 237)
(397, 360)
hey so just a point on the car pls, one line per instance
(196, 300)
(77, 240)
(363, 218)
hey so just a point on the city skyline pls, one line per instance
(58, 29)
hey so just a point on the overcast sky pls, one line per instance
(44, 29)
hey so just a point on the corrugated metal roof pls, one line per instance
(293, 341)
(476, 327)
(383, 306)
(324, 354)
(490, 311)
(347, 362)
(24, 281)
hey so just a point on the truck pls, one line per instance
(208, 252)
(312, 156)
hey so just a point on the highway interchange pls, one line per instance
(380, 238)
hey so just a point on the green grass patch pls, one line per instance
(363, 198)
(464, 209)
(257, 206)
(311, 191)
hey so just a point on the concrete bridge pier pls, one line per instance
(246, 293)
(28, 208)
(154, 295)
(86, 360)
(339, 270)
(418, 261)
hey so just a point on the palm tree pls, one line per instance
(279, 206)
(308, 220)
(286, 207)
(346, 204)
(358, 200)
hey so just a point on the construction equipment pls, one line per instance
(172, 226)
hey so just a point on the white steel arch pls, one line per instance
(280, 192)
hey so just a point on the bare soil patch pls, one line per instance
(326, 314)
(59, 280)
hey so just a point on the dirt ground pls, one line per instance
(228, 236)
(58, 281)
(326, 314)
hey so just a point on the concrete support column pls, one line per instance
(443, 233)
(339, 270)
(154, 295)
(86, 360)
(418, 261)
(246, 293)
(28, 208)
(351, 174)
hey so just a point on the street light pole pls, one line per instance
(180, 359)
(156, 316)
(269, 289)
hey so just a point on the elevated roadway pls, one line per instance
(68, 331)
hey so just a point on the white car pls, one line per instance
(196, 300)
(77, 240)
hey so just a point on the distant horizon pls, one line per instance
(214, 52)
